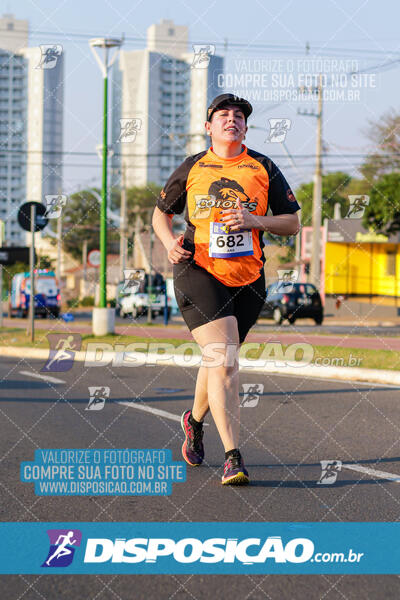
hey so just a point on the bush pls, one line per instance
(73, 302)
(87, 301)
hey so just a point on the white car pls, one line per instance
(136, 304)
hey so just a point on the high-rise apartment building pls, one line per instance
(159, 102)
(31, 123)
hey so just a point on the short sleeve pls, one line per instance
(281, 199)
(172, 198)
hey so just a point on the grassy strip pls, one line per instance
(323, 355)
(365, 358)
(335, 356)
(18, 338)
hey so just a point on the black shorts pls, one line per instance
(203, 298)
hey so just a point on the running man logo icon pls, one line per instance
(278, 129)
(286, 279)
(54, 206)
(357, 207)
(129, 129)
(62, 351)
(97, 397)
(50, 56)
(63, 543)
(330, 470)
(202, 55)
(252, 392)
(132, 279)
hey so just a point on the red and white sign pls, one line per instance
(94, 258)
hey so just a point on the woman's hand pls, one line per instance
(176, 253)
(238, 218)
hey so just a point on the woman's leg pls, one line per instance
(222, 379)
(200, 404)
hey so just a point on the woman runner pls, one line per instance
(218, 264)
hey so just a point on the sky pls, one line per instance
(277, 44)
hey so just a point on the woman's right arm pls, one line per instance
(162, 225)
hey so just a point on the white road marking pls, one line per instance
(43, 377)
(373, 472)
(154, 411)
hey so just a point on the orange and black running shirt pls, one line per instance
(205, 184)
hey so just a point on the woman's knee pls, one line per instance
(220, 355)
(224, 372)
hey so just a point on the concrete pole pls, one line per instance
(1, 295)
(315, 272)
(150, 287)
(84, 264)
(298, 239)
(123, 228)
(59, 249)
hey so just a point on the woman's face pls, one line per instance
(227, 125)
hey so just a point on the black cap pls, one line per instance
(224, 99)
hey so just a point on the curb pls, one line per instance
(135, 359)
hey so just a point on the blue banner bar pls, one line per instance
(208, 548)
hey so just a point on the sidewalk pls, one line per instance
(178, 330)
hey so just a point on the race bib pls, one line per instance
(231, 244)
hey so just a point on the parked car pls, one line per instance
(47, 294)
(292, 301)
(133, 299)
(136, 304)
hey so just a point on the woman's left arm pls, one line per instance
(241, 218)
(279, 225)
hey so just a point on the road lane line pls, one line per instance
(44, 377)
(154, 411)
(373, 472)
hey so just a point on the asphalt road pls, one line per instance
(296, 424)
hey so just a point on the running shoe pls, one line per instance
(192, 448)
(235, 473)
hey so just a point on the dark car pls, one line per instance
(292, 301)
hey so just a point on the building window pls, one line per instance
(171, 31)
(10, 26)
(391, 263)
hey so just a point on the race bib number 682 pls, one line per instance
(229, 244)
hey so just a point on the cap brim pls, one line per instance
(245, 107)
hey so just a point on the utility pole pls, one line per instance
(315, 271)
(59, 249)
(150, 286)
(84, 263)
(298, 239)
(1, 295)
(123, 227)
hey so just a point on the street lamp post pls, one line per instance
(103, 318)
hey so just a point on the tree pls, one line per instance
(45, 262)
(81, 221)
(383, 211)
(10, 270)
(142, 200)
(385, 135)
(335, 188)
